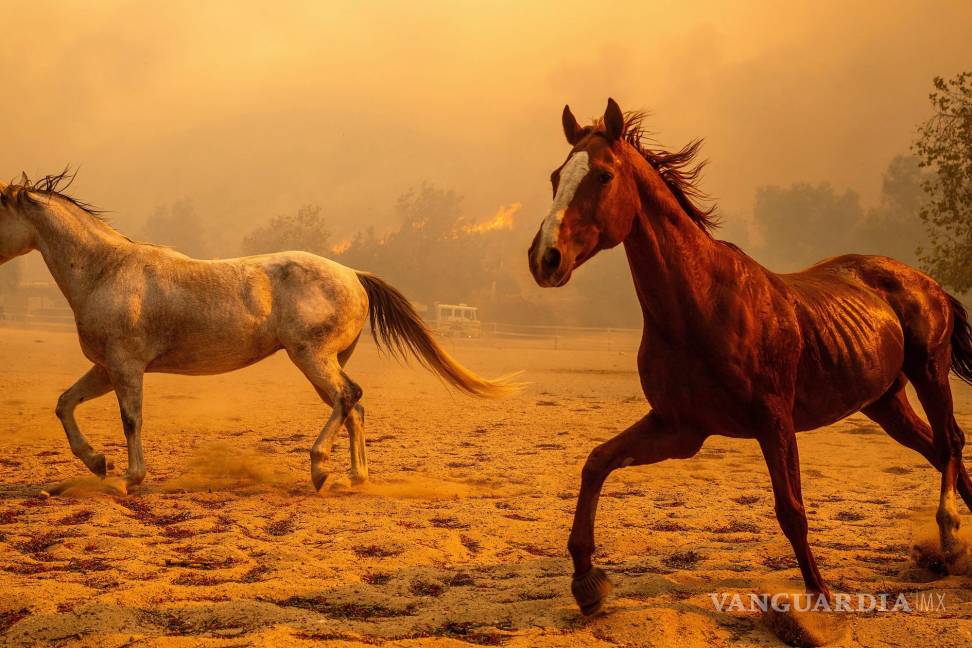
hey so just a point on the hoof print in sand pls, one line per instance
(805, 629)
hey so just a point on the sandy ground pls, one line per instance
(460, 538)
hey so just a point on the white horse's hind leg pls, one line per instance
(128, 387)
(336, 389)
(91, 385)
(320, 452)
(355, 426)
(356, 434)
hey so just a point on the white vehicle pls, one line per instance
(457, 320)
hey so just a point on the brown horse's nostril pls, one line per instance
(551, 259)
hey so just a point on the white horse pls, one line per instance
(146, 308)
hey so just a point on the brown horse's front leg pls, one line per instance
(780, 452)
(648, 441)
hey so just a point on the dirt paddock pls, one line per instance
(459, 539)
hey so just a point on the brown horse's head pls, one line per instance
(595, 199)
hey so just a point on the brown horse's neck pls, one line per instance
(76, 246)
(673, 260)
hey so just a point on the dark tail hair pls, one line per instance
(961, 341)
(398, 329)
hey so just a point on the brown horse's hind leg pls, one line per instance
(931, 383)
(895, 415)
(648, 441)
(780, 452)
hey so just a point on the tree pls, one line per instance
(306, 230)
(427, 212)
(364, 251)
(894, 228)
(438, 262)
(430, 256)
(177, 225)
(944, 146)
(803, 223)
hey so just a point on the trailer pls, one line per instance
(456, 320)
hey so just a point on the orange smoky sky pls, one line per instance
(253, 108)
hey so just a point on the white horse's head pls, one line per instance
(17, 234)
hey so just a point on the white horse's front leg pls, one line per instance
(91, 385)
(128, 387)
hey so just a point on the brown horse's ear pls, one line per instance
(613, 120)
(572, 129)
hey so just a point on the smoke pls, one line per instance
(251, 110)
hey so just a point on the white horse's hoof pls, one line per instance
(99, 465)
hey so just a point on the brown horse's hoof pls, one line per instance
(590, 589)
(318, 480)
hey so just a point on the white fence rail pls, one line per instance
(496, 333)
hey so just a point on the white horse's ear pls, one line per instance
(572, 129)
(613, 120)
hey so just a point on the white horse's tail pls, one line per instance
(398, 329)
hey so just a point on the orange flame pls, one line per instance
(342, 247)
(501, 220)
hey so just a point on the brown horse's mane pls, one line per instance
(49, 185)
(679, 169)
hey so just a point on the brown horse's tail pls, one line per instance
(398, 329)
(961, 341)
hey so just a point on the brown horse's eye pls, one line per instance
(605, 177)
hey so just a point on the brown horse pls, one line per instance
(731, 348)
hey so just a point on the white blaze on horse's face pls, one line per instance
(548, 244)
(571, 174)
